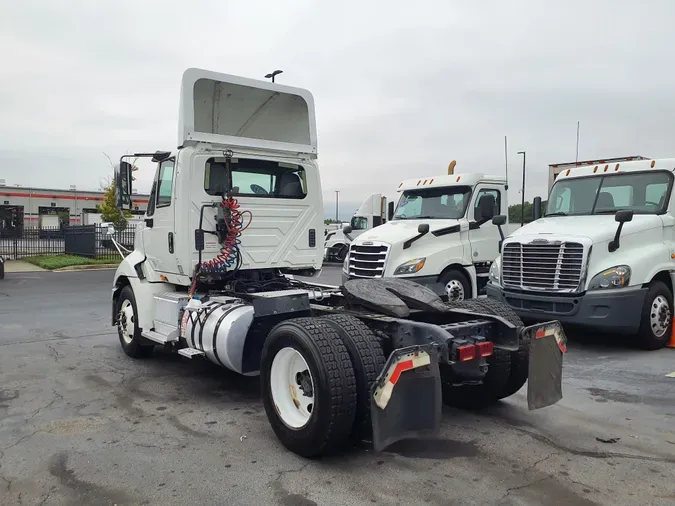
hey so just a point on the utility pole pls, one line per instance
(522, 197)
(337, 205)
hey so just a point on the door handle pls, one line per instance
(149, 222)
(170, 242)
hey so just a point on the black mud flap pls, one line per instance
(548, 342)
(406, 399)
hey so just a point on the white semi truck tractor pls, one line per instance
(602, 256)
(235, 210)
(441, 235)
(371, 213)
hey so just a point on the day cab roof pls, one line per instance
(468, 179)
(237, 112)
(618, 168)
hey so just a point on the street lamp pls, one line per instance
(337, 200)
(273, 74)
(522, 198)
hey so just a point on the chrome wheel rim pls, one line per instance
(454, 290)
(659, 316)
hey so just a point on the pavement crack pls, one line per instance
(520, 487)
(55, 354)
(543, 459)
(19, 441)
(589, 453)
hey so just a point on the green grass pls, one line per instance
(52, 262)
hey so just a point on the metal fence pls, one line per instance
(91, 241)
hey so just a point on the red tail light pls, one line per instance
(466, 352)
(485, 349)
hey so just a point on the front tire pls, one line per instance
(308, 386)
(2, 270)
(127, 328)
(656, 323)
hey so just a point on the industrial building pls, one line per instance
(22, 207)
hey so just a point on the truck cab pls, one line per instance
(602, 254)
(441, 235)
(371, 213)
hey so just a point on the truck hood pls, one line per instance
(396, 231)
(597, 228)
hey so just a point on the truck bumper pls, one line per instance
(618, 310)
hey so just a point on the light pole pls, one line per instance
(522, 197)
(272, 75)
(337, 204)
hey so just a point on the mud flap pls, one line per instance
(407, 397)
(548, 342)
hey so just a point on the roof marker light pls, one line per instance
(568, 172)
(418, 182)
(595, 170)
(617, 167)
(458, 178)
(431, 181)
(653, 163)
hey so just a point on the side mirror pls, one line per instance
(423, 228)
(499, 220)
(623, 215)
(347, 229)
(390, 211)
(122, 179)
(536, 208)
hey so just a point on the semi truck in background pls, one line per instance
(371, 213)
(441, 235)
(603, 254)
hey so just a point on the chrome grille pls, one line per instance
(552, 266)
(367, 261)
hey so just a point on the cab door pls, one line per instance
(483, 235)
(158, 234)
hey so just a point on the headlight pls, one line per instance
(614, 277)
(495, 269)
(410, 267)
(345, 264)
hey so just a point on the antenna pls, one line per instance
(577, 157)
(506, 162)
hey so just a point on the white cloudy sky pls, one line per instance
(401, 88)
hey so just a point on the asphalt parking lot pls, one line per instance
(81, 423)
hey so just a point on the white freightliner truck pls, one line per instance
(371, 213)
(602, 254)
(234, 210)
(441, 235)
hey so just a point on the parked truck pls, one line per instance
(602, 256)
(371, 213)
(232, 213)
(440, 235)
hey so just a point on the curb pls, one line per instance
(101, 267)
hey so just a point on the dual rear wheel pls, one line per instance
(316, 375)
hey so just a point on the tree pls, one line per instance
(515, 212)
(108, 208)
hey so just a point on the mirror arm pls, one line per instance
(614, 243)
(410, 241)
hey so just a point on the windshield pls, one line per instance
(433, 203)
(644, 193)
(359, 223)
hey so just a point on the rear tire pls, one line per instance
(333, 386)
(368, 361)
(507, 371)
(656, 323)
(127, 329)
(2, 270)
